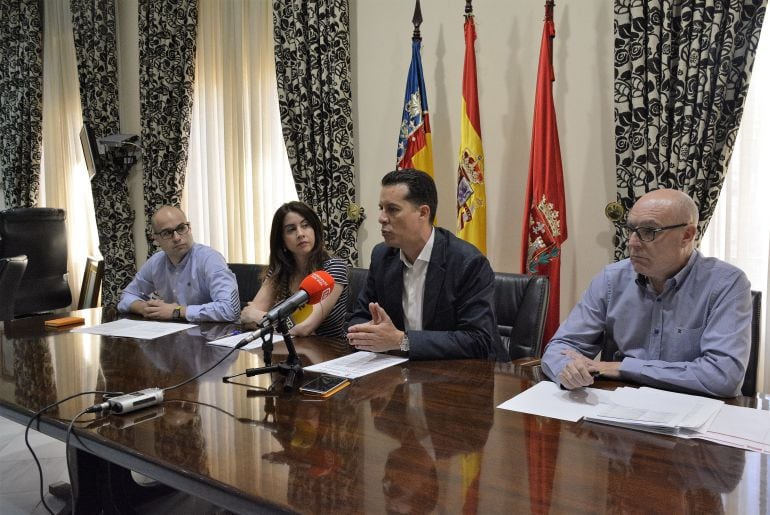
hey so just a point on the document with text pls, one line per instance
(141, 329)
(651, 410)
(657, 410)
(358, 364)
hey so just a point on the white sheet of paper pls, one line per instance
(548, 400)
(141, 329)
(748, 424)
(358, 364)
(235, 339)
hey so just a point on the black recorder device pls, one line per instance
(136, 400)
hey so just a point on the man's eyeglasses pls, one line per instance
(181, 230)
(647, 233)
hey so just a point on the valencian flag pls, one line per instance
(545, 222)
(471, 193)
(415, 148)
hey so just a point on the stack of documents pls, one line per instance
(650, 409)
(658, 411)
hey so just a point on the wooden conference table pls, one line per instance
(421, 437)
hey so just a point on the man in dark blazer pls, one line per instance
(428, 293)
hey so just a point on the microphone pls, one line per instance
(259, 333)
(313, 289)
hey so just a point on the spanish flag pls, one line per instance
(471, 193)
(545, 218)
(415, 147)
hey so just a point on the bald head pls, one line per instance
(674, 205)
(673, 217)
(171, 232)
(167, 213)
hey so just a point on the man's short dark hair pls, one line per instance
(422, 188)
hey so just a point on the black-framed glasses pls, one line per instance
(181, 230)
(647, 234)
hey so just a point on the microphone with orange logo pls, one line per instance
(313, 289)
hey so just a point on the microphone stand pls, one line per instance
(291, 368)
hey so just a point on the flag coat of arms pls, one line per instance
(471, 192)
(415, 147)
(545, 220)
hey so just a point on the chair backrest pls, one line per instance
(356, 283)
(39, 233)
(249, 279)
(521, 304)
(11, 272)
(749, 388)
(92, 283)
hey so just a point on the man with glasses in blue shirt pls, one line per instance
(667, 316)
(185, 280)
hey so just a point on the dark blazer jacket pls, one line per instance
(458, 306)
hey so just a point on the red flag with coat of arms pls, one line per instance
(545, 219)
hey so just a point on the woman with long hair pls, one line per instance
(296, 250)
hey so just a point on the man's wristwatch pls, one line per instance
(404, 343)
(177, 313)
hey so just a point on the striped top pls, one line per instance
(334, 323)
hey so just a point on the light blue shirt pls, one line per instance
(695, 336)
(202, 282)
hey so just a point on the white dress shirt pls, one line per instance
(414, 285)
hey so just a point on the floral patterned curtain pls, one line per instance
(682, 70)
(312, 61)
(96, 49)
(21, 101)
(167, 32)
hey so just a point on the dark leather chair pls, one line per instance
(356, 283)
(11, 271)
(521, 304)
(749, 388)
(39, 233)
(249, 279)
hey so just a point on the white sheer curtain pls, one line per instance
(739, 232)
(238, 172)
(64, 179)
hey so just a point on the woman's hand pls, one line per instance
(251, 314)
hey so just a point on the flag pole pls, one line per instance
(468, 8)
(417, 21)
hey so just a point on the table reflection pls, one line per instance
(421, 413)
(696, 475)
(178, 435)
(33, 373)
(322, 447)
